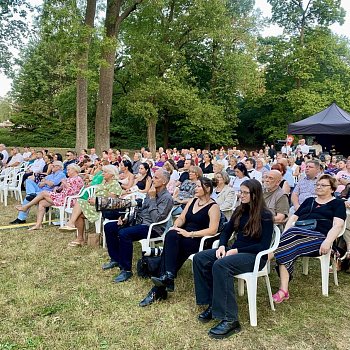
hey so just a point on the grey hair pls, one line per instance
(165, 175)
(111, 169)
(225, 176)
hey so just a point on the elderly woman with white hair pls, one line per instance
(85, 208)
(45, 199)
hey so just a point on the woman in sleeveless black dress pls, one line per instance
(200, 218)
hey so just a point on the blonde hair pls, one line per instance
(75, 167)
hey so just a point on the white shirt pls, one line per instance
(255, 174)
(224, 162)
(6, 156)
(27, 155)
(37, 166)
(286, 149)
(303, 148)
(18, 158)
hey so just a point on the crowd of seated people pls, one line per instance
(268, 186)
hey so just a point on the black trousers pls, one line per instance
(214, 281)
(177, 249)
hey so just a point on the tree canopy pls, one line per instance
(183, 73)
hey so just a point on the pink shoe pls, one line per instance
(280, 296)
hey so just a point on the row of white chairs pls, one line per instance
(10, 183)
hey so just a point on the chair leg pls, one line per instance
(269, 292)
(240, 287)
(305, 265)
(251, 291)
(50, 215)
(61, 217)
(335, 272)
(325, 273)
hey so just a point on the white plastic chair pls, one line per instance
(148, 242)
(61, 209)
(14, 186)
(11, 181)
(91, 193)
(251, 279)
(132, 196)
(325, 262)
(215, 244)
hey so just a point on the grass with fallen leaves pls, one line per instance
(56, 297)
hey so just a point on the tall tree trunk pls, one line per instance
(82, 83)
(151, 135)
(166, 132)
(113, 20)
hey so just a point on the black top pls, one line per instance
(198, 221)
(45, 168)
(180, 164)
(206, 169)
(247, 244)
(142, 183)
(184, 176)
(310, 209)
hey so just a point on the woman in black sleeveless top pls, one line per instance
(200, 218)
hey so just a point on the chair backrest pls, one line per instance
(275, 241)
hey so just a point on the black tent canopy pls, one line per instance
(332, 121)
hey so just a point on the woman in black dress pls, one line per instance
(214, 269)
(206, 165)
(199, 218)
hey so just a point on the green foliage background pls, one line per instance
(199, 69)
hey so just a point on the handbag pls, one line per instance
(149, 266)
(309, 224)
(109, 203)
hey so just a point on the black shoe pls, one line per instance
(206, 315)
(166, 280)
(153, 295)
(30, 197)
(123, 276)
(17, 221)
(224, 329)
(110, 265)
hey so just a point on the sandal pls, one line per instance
(75, 244)
(67, 228)
(280, 296)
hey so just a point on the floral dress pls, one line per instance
(102, 190)
(74, 185)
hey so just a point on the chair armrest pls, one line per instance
(204, 238)
(275, 242)
(156, 224)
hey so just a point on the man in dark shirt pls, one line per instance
(155, 208)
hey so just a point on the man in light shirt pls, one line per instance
(303, 147)
(16, 159)
(253, 173)
(4, 153)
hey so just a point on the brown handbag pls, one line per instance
(93, 240)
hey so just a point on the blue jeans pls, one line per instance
(31, 187)
(120, 242)
(213, 281)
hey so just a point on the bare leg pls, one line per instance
(43, 204)
(42, 195)
(284, 278)
(80, 225)
(75, 215)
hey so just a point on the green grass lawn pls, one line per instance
(56, 297)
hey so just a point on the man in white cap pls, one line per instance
(48, 183)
